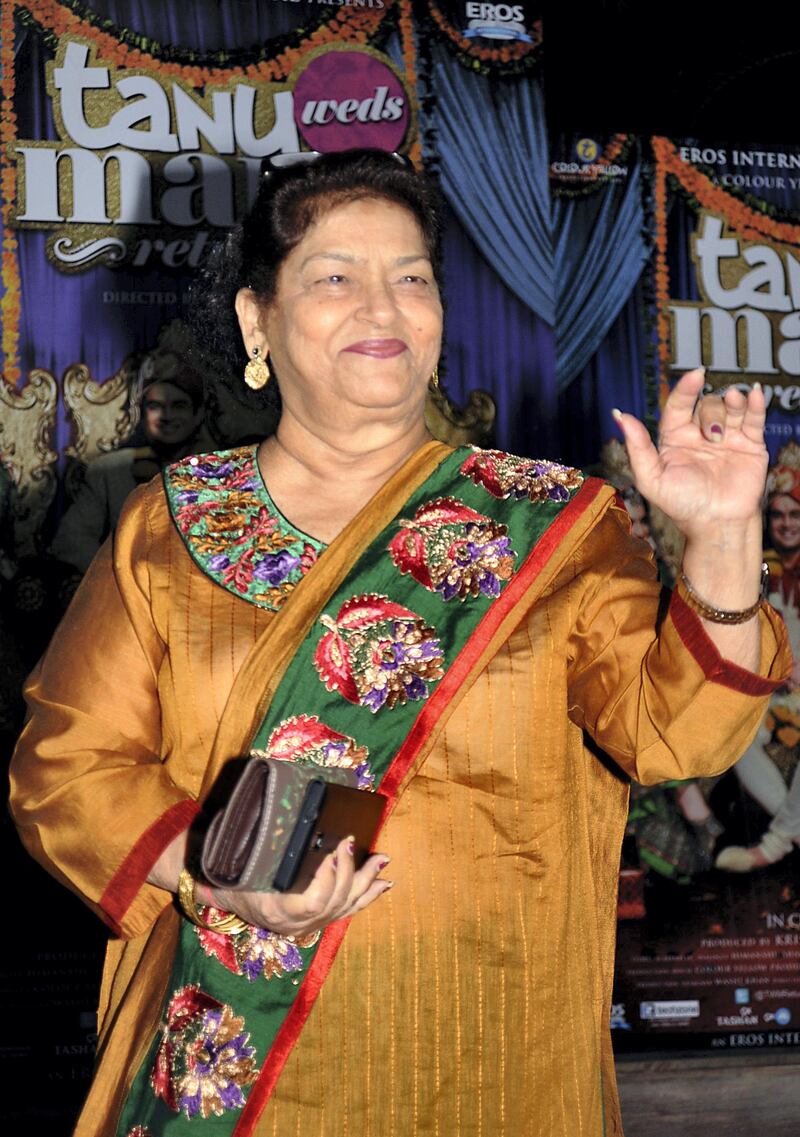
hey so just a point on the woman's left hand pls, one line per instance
(711, 462)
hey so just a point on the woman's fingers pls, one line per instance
(714, 415)
(711, 416)
(755, 415)
(642, 454)
(682, 400)
(378, 888)
(352, 885)
(337, 890)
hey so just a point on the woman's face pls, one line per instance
(355, 328)
(783, 523)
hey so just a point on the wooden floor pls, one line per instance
(731, 1095)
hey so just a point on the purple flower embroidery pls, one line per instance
(506, 475)
(187, 497)
(268, 954)
(274, 568)
(484, 563)
(219, 1063)
(452, 550)
(558, 493)
(257, 953)
(401, 664)
(218, 562)
(212, 470)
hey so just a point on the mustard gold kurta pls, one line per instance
(474, 998)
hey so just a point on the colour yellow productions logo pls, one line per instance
(587, 150)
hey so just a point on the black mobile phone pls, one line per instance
(329, 813)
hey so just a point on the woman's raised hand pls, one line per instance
(337, 890)
(710, 464)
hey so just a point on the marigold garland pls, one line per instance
(408, 45)
(10, 303)
(662, 281)
(475, 55)
(348, 25)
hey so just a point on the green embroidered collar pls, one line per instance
(233, 530)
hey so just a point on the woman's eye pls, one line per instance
(332, 278)
(412, 278)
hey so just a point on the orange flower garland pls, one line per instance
(349, 25)
(613, 150)
(10, 303)
(408, 44)
(662, 283)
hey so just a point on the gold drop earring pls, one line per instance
(257, 373)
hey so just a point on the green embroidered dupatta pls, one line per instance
(368, 659)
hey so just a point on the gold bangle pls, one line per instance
(229, 924)
(715, 615)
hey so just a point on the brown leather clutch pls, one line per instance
(247, 840)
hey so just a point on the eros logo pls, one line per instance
(346, 98)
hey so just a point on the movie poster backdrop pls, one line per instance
(710, 958)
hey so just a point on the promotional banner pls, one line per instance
(122, 161)
(709, 932)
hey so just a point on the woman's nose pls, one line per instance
(377, 301)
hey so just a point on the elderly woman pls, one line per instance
(453, 622)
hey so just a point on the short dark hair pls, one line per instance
(289, 200)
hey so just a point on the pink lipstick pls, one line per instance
(378, 349)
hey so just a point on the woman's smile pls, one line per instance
(377, 348)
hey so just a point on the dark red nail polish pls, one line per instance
(351, 846)
(335, 861)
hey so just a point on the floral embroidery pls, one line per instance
(256, 953)
(505, 475)
(377, 653)
(140, 1131)
(305, 739)
(232, 529)
(451, 549)
(204, 1059)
